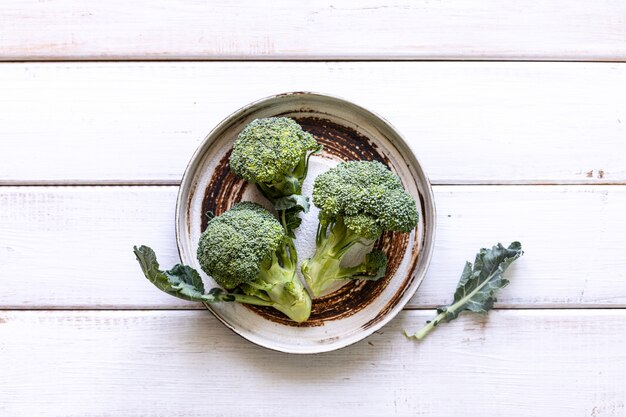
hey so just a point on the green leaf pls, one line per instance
(374, 267)
(184, 282)
(476, 289)
(289, 209)
(181, 281)
(478, 284)
(287, 186)
(291, 220)
(292, 201)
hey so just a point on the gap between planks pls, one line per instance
(169, 183)
(543, 307)
(320, 59)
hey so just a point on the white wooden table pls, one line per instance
(103, 103)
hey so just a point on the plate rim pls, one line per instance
(429, 203)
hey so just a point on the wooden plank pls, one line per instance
(467, 122)
(350, 29)
(571, 236)
(70, 247)
(186, 363)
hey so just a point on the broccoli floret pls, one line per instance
(270, 150)
(358, 200)
(273, 153)
(247, 252)
(235, 245)
(246, 249)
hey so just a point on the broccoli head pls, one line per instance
(247, 252)
(273, 153)
(236, 244)
(358, 200)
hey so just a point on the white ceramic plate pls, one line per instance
(347, 313)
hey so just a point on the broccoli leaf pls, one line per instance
(292, 220)
(181, 281)
(184, 282)
(186, 279)
(289, 209)
(292, 201)
(478, 285)
(374, 267)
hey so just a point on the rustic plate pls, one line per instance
(347, 313)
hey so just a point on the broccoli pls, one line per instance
(247, 248)
(274, 153)
(246, 251)
(358, 200)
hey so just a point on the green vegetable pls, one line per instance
(478, 285)
(274, 153)
(358, 200)
(246, 251)
(184, 282)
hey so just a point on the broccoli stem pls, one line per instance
(289, 256)
(324, 267)
(284, 289)
(353, 271)
(289, 183)
(287, 186)
(451, 311)
(427, 328)
(282, 215)
(301, 170)
(320, 272)
(241, 298)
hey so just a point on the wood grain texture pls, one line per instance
(70, 247)
(466, 122)
(348, 29)
(186, 363)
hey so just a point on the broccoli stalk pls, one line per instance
(278, 284)
(333, 241)
(290, 181)
(274, 153)
(246, 251)
(358, 200)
